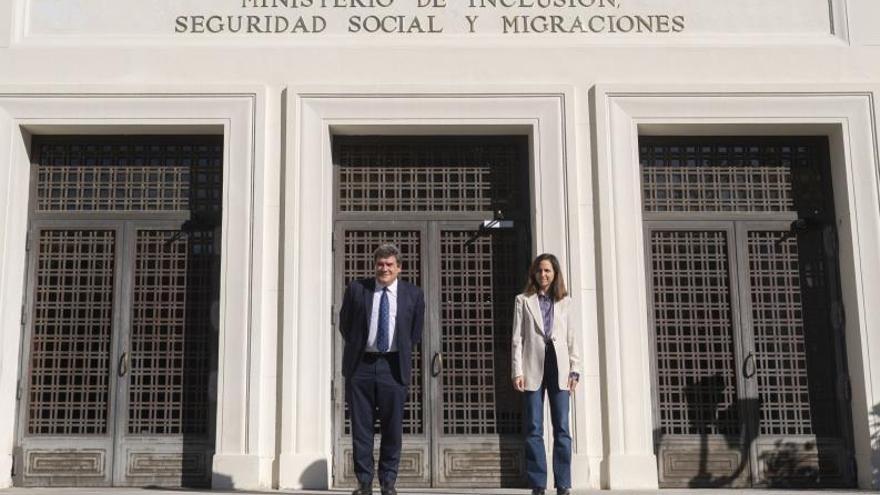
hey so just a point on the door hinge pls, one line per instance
(23, 315)
(333, 242)
(27, 241)
(18, 389)
(332, 315)
(829, 239)
(332, 391)
(846, 388)
(837, 315)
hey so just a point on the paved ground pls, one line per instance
(164, 491)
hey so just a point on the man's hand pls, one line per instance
(519, 383)
(572, 383)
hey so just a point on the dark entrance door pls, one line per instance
(462, 420)
(748, 333)
(119, 341)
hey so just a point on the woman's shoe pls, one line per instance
(537, 491)
(563, 491)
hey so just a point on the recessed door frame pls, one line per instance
(246, 341)
(544, 114)
(625, 111)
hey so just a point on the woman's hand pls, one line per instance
(519, 383)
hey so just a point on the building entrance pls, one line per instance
(750, 384)
(119, 352)
(440, 201)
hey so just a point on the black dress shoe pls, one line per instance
(563, 491)
(363, 489)
(537, 491)
(388, 490)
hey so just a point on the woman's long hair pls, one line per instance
(557, 290)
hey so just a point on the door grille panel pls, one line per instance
(72, 328)
(477, 290)
(358, 263)
(171, 333)
(777, 319)
(694, 333)
(164, 174)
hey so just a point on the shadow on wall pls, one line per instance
(220, 483)
(786, 465)
(315, 475)
(704, 398)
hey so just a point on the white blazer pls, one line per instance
(528, 344)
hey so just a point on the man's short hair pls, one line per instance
(387, 251)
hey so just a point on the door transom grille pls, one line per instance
(460, 174)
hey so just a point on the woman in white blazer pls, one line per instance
(546, 359)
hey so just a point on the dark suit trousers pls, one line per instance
(376, 388)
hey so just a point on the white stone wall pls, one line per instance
(778, 66)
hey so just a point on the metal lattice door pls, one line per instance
(66, 422)
(700, 424)
(747, 332)
(354, 262)
(164, 434)
(120, 345)
(430, 196)
(462, 422)
(478, 431)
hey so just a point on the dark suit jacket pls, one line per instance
(354, 323)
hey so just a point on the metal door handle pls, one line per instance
(749, 368)
(122, 368)
(437, 364)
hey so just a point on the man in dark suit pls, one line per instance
(381, 320)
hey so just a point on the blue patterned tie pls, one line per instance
(382, 331)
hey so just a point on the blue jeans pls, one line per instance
(536, 461)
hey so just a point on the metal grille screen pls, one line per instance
(70, 347)
(403, 174)
(777, 318)
(694, 333)
(164, 174)
(718, 176)
(358, 263)
(478, 283)
(171, 333)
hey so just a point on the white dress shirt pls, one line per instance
(374, 317)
